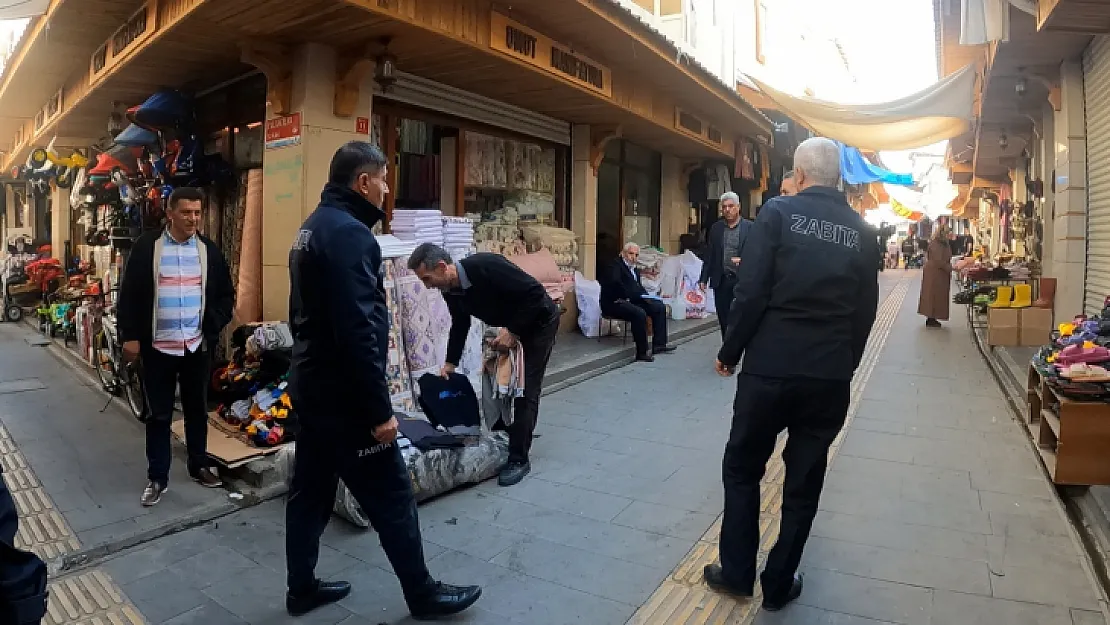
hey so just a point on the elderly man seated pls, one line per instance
(623, 297)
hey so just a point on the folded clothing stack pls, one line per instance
(424, 226)
(458, 236)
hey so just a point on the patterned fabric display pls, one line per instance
(426, 322)
(396, 370)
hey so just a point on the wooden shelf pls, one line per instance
(1071, 436)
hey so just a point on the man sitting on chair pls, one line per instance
(624, 298)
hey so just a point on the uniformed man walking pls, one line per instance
(805, 300)
(340, 327)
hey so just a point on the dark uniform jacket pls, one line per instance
(807, 290)
(338, 315)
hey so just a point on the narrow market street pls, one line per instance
(935, 509)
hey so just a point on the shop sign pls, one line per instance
(283, 131)
(522, 43)
(128, 37)
(49, 111)
(689, 124)
(362, 125)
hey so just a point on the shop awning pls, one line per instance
(942, 111)
(904, 211)
(858, 170)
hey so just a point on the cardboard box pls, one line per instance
(1003, 336)
(1036, 326)
(1004, 317)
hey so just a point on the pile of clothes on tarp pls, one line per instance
(251, 387)
(1077, 361)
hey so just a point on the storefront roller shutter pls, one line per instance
(441, 98)
(1096, 83)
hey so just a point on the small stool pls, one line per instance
(601, 323)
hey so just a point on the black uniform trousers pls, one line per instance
(22, 573)
(378, 479)
(722, 298)
(161, 376)
(526, 409)
(812, 412)
(637, 313)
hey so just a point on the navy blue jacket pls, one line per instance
(617, 283)
(807, 290)
(338, 315)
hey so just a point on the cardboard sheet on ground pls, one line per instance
(227, 450)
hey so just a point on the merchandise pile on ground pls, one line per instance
(1077, 362)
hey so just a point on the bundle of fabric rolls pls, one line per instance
(424, 226)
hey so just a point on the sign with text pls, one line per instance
(362, 125)
(522, 43)
(283, 131)
(130, 36)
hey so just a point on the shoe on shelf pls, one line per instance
(207, 478)
(716, 580)
(774, 604)
(152, 494)
(322, 595)
(1047, 294)
(665, 349)
(1023, 296)
(1003, 297)
(513, 472)
(443, 600)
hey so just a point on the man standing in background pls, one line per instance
(175, 298)
(806, 298)
(789, 187)
(726, 239)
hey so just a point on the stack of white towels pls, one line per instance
(423, 226)
(458, 236)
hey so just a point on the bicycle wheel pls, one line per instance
(133, 390)
(102, 362)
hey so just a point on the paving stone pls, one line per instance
(954, 608)
(924, 570)
(255, 597)
(565, 498)
(163, 595)
(209, 613)
(1084, 617)
(859, 503)
(901, 536)
(798, 614)
(537, 602)
(665, 520)
(1046, 584)
(869, 598)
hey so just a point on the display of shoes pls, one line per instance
(1023, 296)
(1004, 296)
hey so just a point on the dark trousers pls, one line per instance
(637, 312)
(378, 479)
(526, 409)
(22, 573)
(722, 298)
(812, 412)
(161, 376)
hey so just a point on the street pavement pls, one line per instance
(935, 510)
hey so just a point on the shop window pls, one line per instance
(628, 198)
(504, 178)
(417, 165)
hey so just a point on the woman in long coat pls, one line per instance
(936, 280)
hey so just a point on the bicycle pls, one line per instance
(116, 375)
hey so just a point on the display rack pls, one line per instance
(1072, 436)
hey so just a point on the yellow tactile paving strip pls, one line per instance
(83, 598)
(683, 598)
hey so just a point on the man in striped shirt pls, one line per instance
(175, 298)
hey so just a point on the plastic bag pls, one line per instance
(588, 294)
(695, 299)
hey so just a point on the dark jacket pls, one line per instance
(617, 283)
(138, 290)
(500, 294)
(713, 269)
(807, 291)
(338, 315)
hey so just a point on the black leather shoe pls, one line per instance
(715, 578)
(666, 349)
(444, 600)
(775, 604)
(513, 473)
(325, 593)
(645, 358)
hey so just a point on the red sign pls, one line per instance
(283, 131)
(362, 125)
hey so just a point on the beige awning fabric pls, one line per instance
(942, 111)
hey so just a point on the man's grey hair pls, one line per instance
(819, 158)
(628, 247)
(729, 195)
(788, 175)
(428, 255)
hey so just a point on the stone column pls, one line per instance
(1069, 249)
(674, 205)
(583, 200)
(59, 225)
(1048, 164)
(294, 175)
